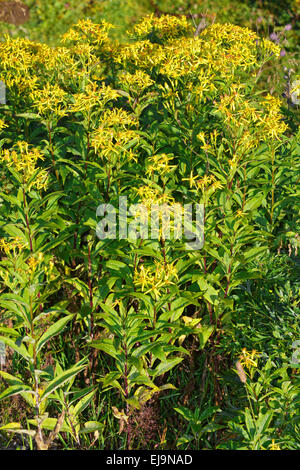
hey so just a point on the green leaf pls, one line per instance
(13, 390)
(91, 426)
(263, 422)
(204, 333)
(111, 380)
(185, 412)
(106, 345)
(83, 403)
(49, 424)
(19, 348)
(253, 253)
(53, 330)
(61, 379)
(165, 366)
(10, 427)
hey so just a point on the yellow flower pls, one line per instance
(117, 117)
(49, 100)
(2, 125)
(205, 145)
(112, 135)
(166, 27)
(154, 279)
(12, 245)
(137, 81)
(87, 31)
(204, 182)
(271, 120)
(24, 161)
(55, 59)
(192, 180)
(34, 261)
(274, 446)
(93, 96)
(143, 54)
(216, 185)
(150, 196)
(240, 213)
(249, 359)
(160, 163)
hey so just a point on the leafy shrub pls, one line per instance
(170, 118)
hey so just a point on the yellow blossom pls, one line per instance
(155, 278)
(49, 100)
(87, 31)
(34, 261)
(204, 182)
(160, 163)
(13, 245)
(24, 160)
(165, 27)
(274, 446)
(2, 125)
(93, 96)
(136, 82)
(249, 359)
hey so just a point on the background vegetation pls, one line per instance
(136, 343)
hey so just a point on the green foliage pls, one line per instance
(103, 328)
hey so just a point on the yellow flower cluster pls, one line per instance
(274, 446)
(16, 59)
(143, 54)
(166, 214)
(209, 141)
(117, 117)
(209, 184)
(24, 63)
(49, 100)
(24, 161)
(236, 109)
(93, 96)
(154, 279)
(238, 112)
(166, 27)
(55, 59)
(16, 53)
(218, 51)
(112, 136)
(2, 125)
(13, 245)
(33, 262)
(204, 182)
(87, 31)
(22, 83)
(229, 34)
(137, 81)
(185, 57)
(151, 196)
(203, 86)
(249, 359)
(269, 48)
(271, 119)
(160, 163)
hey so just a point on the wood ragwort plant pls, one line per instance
(169, 118)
